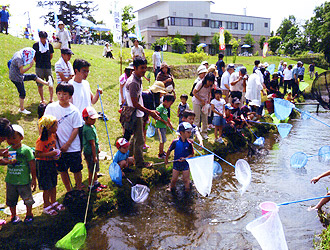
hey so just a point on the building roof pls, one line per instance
(158, 2)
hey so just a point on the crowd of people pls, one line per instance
(224, 97)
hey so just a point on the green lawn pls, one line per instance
(103, 72)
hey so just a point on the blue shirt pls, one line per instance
(301, 71)
(181, 149)
(119, 156)
(295, 71)
(4, 16)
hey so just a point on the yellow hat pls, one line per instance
(47, 121)
(158, 87)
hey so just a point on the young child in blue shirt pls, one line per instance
(183, 149)
(163, 123)
(182, 106)
(122, 157)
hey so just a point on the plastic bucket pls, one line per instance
(268, 206)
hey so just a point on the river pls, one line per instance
(218, 221)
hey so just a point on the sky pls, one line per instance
(277, 11)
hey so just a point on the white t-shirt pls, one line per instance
(287, 74)
(239, 85)
(156, 59)
(137, 51)
(225, 80)
(253, 88)
(68, 119)
(82, 95)
(218, 105)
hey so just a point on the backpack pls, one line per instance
(194, 85)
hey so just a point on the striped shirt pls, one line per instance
(65, 68)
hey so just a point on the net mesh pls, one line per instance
(115, 173)
(321, 89)
(324, 154)
(74, 239)
(217, 170)
(284, 129)
(283, 108)
(151, 130)
(243, 174)
(259, 141)
(298, 160)
(139, 193)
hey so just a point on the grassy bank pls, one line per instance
(103, 72)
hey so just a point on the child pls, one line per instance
(6, 131)
(46, 154)
(122, 156)
(189, 116)
(91, 147)
(182, 106)
(18, 178)
(69, 121)
(163, 122)
(324, 200)
(183, 149)
(218, 106)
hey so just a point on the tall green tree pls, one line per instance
(215, 40)
(68, 13)
(285, 26)
(274, 43)
(235, 44)
(127, 17)
(317, 30)
(262, 42)
(178, 44)
(248, 39)
(195, 41)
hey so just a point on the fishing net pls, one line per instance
(283, 108)
(151, 130)
(74, 239)
(217, 170)
(201, 169)
(139, 193)
(305, 115)
(243, 174)
(284, 129)
(275, 120)
(259, 141)
(268, 231)
(298, 160)
(271, 68)
(115, 173)
(303, 86)
(324, 154)
(321, 89)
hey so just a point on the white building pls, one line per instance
(167, 18)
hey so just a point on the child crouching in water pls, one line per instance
(183, 149)
(324, 200)
(121, 157)
(91, 148)
(46, 154)
(18, 178)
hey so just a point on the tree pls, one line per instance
(215, 40)
(285, 26)
(127, 17)
(262, 42)
(274, 43)
(68, 13)
(178, 44)
(228, 36)
(195, 41)
(235, 44)
(248, 39)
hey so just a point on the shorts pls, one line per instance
(43, 74)
(70, 160)
(218, 121)
(162, 134)
(14, 191)
(91, 164)
(46, 174)
(20, 85)
(181, 166)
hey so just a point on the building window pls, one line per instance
(180, 21)
(215, 24)
(172, 20)
(161, 23)
(247, 26)
(232, 25)
(190, 22)
(266, 25)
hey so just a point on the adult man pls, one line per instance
(4, 18)
(137, 50)
(77, 38)
(63, 68)
(220, 65)
(134, 100)
(44, 55)
(295, 81)
(224, 85)
(63, 36)
(237, 83)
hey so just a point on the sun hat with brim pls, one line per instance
(204, 62)
(59, 23)
(231, 66)
(130, 66)
(122, 142)
(201, 69)
(90, 112)
(158, 87)
(163, 65)
(213, 69)
(18, 129)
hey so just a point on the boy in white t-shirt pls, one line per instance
(69, 121)
(218, 107)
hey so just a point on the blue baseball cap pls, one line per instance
(185, 126)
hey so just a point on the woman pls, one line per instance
(201, 100)
(122, 80)
(107, 51)
(156, 60)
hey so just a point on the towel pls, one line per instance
(43, 48)
(27, 55)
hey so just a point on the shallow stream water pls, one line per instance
(218, 221)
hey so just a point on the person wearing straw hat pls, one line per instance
(165, 76)
(63, 36)
(122, 80)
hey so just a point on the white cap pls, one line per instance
(201, 69)
(18, 129)
(90, 112)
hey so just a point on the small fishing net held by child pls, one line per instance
(321, 89)
(74, 239)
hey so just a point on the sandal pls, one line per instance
(58, 207)
(28, 219)
(15, 220)
(50, 211)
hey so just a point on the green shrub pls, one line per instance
(195, 57)
(257, 53)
